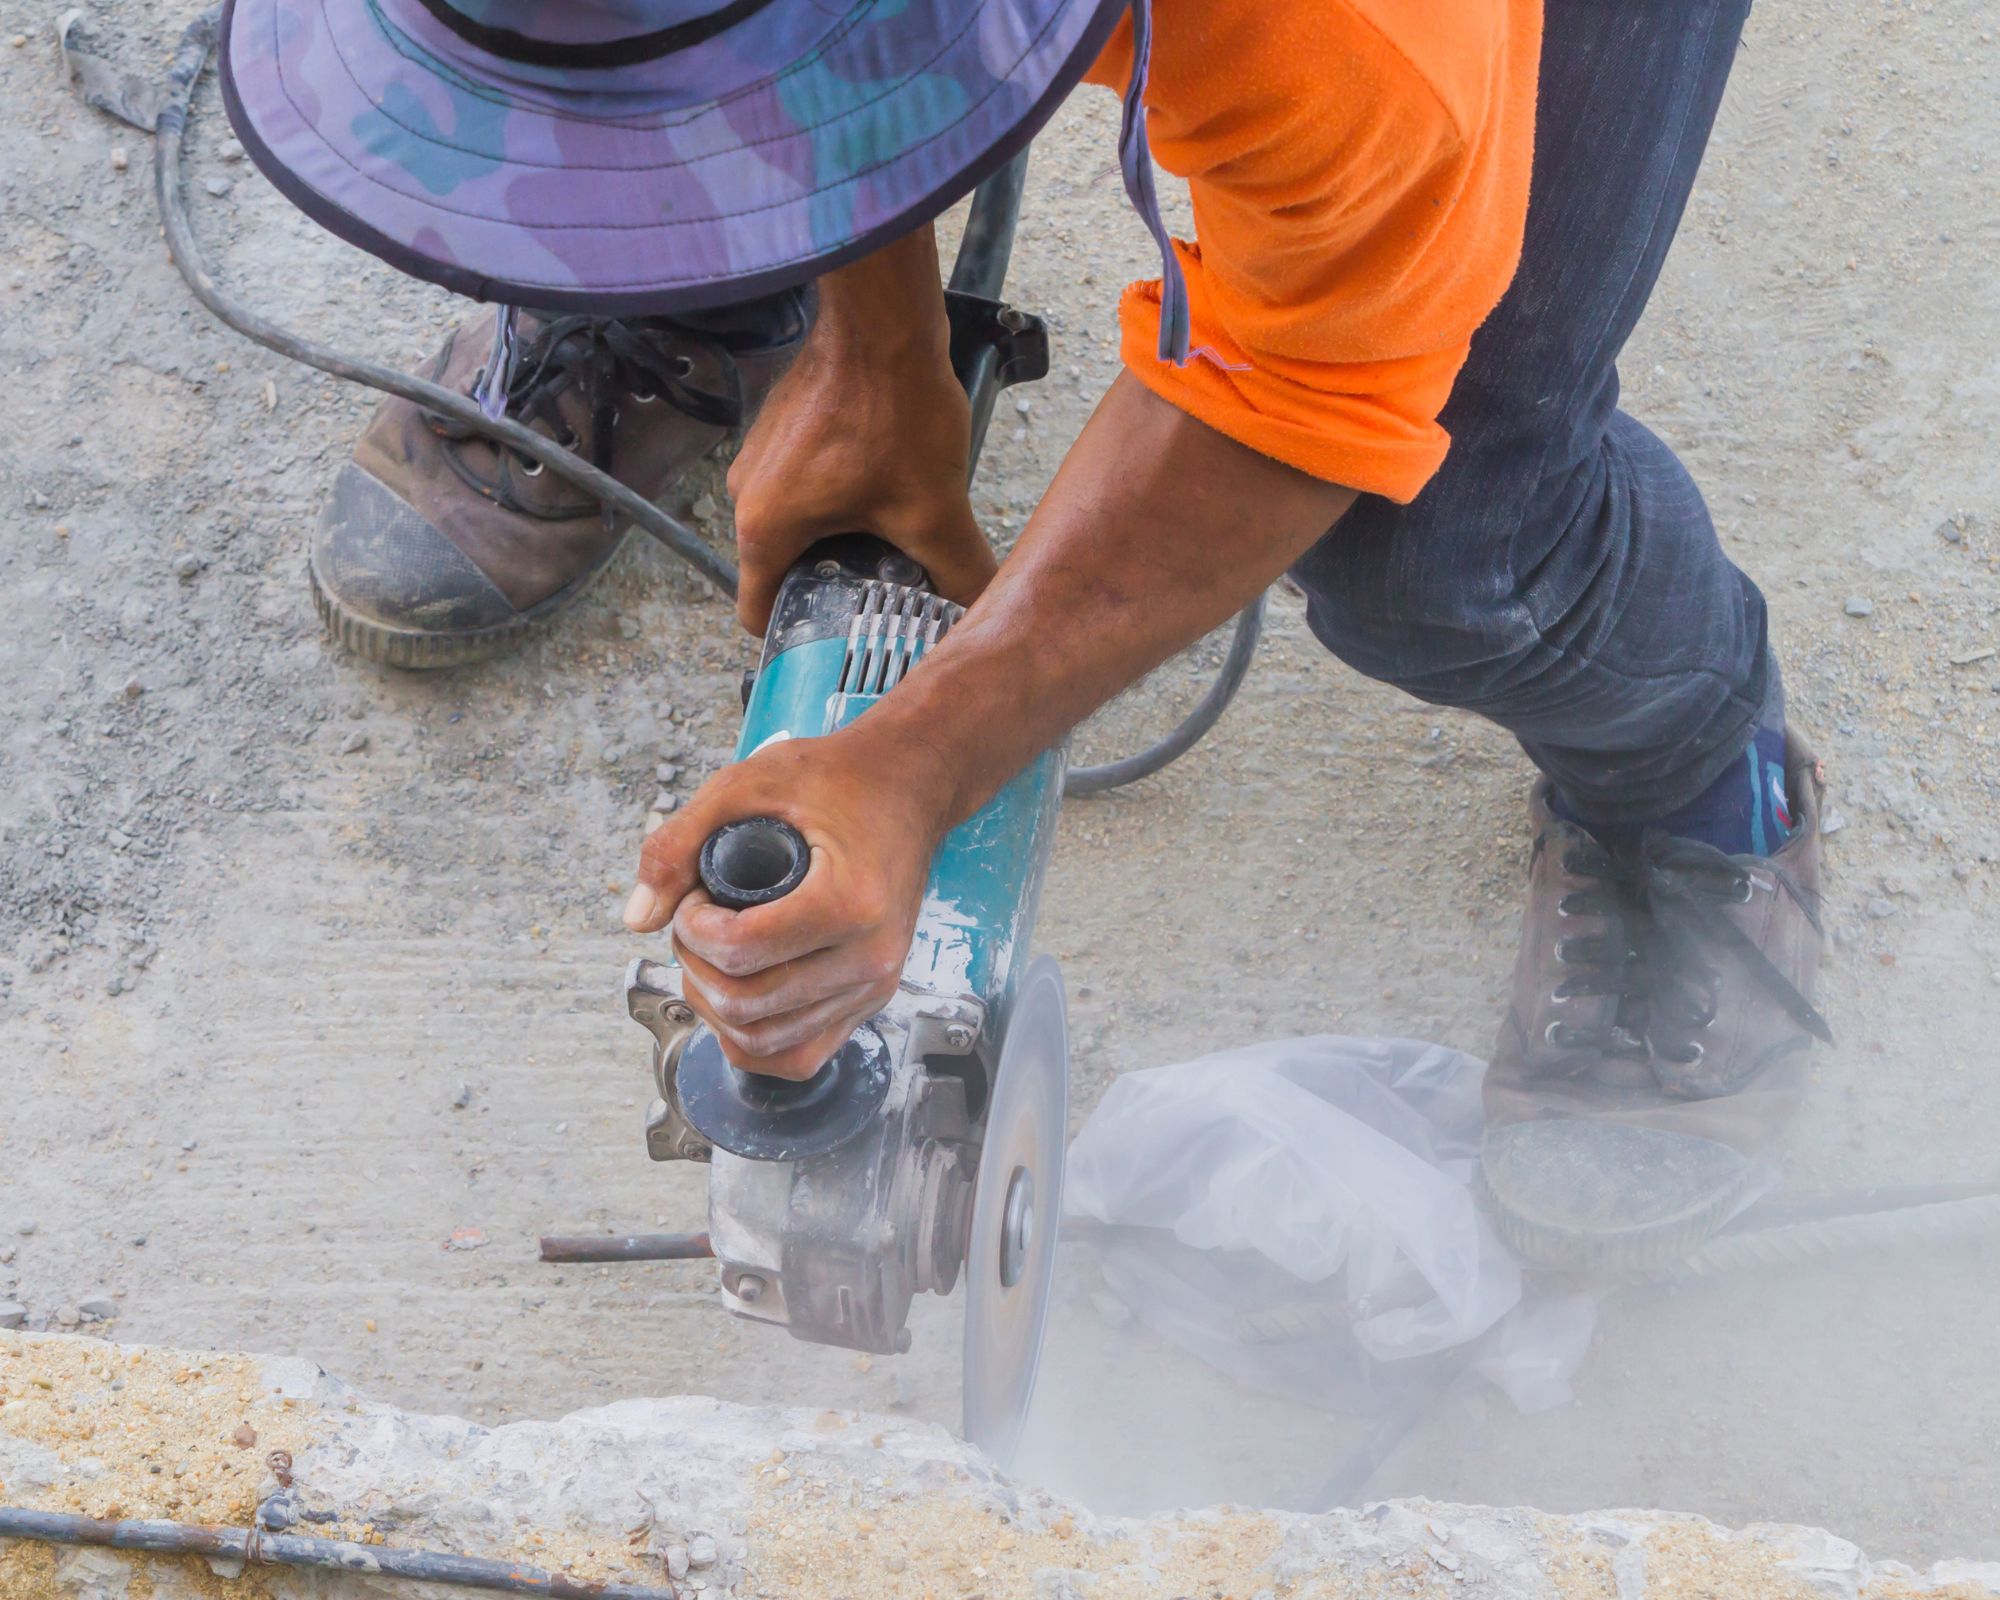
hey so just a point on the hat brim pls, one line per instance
(630, 195)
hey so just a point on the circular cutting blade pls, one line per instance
(1016, 1209)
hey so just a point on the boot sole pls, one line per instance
(1639, 1252)
(424, 650)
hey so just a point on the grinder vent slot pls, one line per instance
(892, 628)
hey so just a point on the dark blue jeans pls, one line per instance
(1560, 574)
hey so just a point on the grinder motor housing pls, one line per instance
(834, 1202)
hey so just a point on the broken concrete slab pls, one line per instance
(693, 1496)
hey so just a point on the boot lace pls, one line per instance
(609, 361)
(1664, 901)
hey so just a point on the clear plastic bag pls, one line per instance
(1298, 1213)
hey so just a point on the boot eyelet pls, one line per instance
(1549, 1034)
(645, 399)
(530, 468)
(1743, 889)
(1559, 993)
(683, 366)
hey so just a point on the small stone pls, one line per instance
(703, 508)
(187, 1144)
(1859, 605)
(232, 150)
(1832, 822)
(354, 743)
(666, 772)
(27, 1227)
(895, 1561)
(1878, 909)
(628, 627)
(655, 820)
(463, 1098)
(115, 984)
(12, 1313)
(134, 688)
(1951, 531)
(1112, 1311)
(613, 754)
(69, 1317)
(664, 801)
(701, 1550)
(217, 186)
(99, 1307)
(677, 1561)
(119, 159)
(244, 1437)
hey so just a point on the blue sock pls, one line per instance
(1745, 812)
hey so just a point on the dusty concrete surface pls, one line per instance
(305, 966)
(698, 1496)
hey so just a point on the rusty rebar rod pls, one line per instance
(627, 1247)
(254, 1546)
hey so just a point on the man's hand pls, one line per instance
(868, 432)
(784, 984)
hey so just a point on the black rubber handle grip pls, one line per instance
(753, 862)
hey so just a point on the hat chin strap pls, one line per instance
(1135, 157)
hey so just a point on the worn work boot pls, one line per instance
(1658, 1036)
(438, 547)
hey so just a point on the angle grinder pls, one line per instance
(931, 1143)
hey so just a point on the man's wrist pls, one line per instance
(891, 302)
(917, 760)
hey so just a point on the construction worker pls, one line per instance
(1386, 364)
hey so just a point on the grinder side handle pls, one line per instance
(748, 863)
(753, 862)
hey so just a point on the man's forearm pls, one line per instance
(1156, 530)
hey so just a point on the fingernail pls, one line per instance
(643, 909)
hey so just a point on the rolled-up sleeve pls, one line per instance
(1359, 176)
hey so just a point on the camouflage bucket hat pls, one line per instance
(631, 156)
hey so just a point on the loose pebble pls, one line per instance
(677, 1561)
(219, 187)
(1859, 605)
(12, 1314)
(119, 159)
(701, 1550)
(354, 743)
(26, 1227)
(100, 1307)
(188, 566)
(1879, 909)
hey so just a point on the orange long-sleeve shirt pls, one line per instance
(1359, 173)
